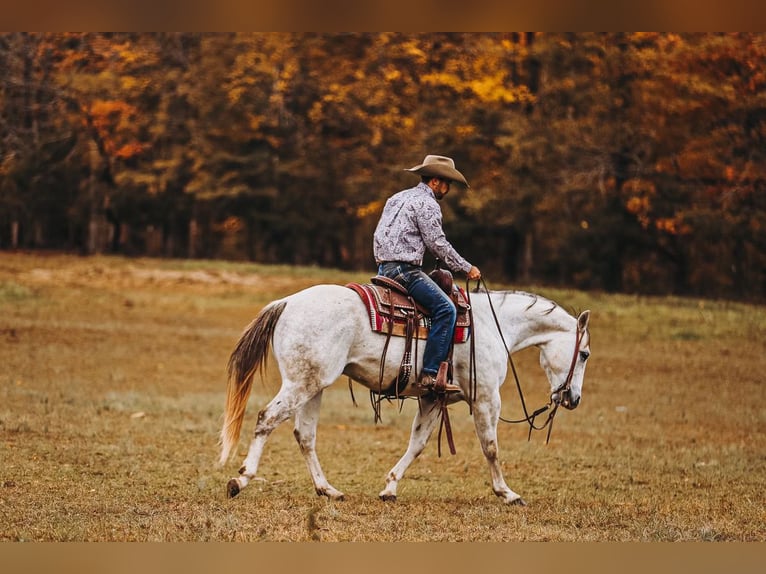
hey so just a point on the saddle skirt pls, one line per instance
(390, 308)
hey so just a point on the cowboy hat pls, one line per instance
(439, 166)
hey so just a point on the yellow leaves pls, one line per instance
(669, 41)
(371, 208)
(255, 121)
(442, 79)
(130, 83)
(412, 49)
(494, 88)
(377, 136)
(316, 112)
(235, 94)
(391, 74)
(131, 53)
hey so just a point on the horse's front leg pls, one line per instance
(485, 415)
(305, 431)
(422, 426)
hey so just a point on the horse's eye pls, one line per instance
(584, 355)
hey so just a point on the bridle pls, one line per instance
(557, 396)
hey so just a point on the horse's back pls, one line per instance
(324, 297)
(324, 309)
(318, 331)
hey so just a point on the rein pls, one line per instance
(556, 396)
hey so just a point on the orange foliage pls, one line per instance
(639, 203)
(673, 225)
(114, 121)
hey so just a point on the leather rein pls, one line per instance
(556, 396)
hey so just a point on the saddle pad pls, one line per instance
(381, 301)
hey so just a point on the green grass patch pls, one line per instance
(11, 292)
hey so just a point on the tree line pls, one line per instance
(625, 162)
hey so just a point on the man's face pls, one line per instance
(441, 187)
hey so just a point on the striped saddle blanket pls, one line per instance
(391, 309)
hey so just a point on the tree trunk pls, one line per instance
(527, 258)
(193, 238)
(14, 234)
(91, 245)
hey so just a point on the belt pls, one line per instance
(411, 264)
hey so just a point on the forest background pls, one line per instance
(623, 162)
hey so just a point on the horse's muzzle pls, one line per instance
(565, 399)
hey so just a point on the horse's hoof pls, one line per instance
(517, 502)
(388, 497)
(331, 494)
(232, 488)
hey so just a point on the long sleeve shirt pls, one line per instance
(411, 223)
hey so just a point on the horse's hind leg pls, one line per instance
(277, 411)
(422, 426)
(305, 431)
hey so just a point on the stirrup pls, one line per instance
(437, 384)
(443, 384)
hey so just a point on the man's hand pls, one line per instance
(474, 273)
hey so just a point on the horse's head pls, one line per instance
(563, 358)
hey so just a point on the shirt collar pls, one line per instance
(425, 187)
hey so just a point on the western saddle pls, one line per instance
(393, 312)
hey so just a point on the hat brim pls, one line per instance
(439, 170)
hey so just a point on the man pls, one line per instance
(410, 224)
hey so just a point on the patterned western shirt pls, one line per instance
(411, 223)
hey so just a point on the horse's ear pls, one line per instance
(582, 320)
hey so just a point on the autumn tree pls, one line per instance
(38, 169)
(617, 161)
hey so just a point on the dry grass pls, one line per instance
(112, 388)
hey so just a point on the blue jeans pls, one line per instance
(431, 297)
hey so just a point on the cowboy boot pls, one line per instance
(428, 383)
(442, 383)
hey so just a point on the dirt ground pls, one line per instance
(112, 389)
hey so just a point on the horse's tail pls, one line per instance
(250, 355)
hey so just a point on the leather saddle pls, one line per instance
(391, 309)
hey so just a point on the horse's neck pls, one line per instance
(525, 320)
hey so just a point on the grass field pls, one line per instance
(112, 378)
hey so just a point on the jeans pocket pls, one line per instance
(393, 271)
(408, 275)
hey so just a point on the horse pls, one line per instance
(323, 332)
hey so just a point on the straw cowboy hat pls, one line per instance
(439, 166)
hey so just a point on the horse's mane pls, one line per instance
(535, 299)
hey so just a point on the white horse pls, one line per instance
(323, 332)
